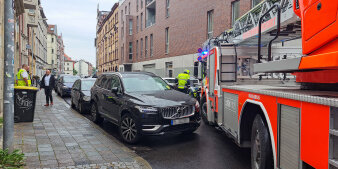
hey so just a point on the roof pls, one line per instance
(107, 16)
(52, 29)
(67, 58)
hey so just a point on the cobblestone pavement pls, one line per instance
(59, 137)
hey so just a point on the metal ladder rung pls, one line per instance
(333, 162)
(334, 132)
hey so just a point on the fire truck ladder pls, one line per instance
(268, 14)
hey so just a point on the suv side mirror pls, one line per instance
(115, 90)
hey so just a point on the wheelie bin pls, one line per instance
(24, 103)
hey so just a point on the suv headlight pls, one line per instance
(86, 98)
(148, 110)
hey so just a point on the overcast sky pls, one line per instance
(76, 20)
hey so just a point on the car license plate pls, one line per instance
(180, 121)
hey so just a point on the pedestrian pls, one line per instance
(48, 83)
(22, 77)
(183, 80)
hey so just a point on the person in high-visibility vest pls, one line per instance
(22, 77)
(183, 80)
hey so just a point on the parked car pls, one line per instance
(142, 104)
(57, 78)
(65, 83)
(170, 81)
(80, 94)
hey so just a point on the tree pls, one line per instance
(94, 70)
(74, 72)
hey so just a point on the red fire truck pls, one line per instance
(269, 94)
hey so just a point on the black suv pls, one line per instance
(142, 104)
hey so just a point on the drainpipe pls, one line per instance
(8, 128)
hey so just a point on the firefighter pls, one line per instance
(183, 81)
(22, 77)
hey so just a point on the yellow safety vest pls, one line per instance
(20, 80)
(182, 80)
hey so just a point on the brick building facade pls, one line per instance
(163, 36)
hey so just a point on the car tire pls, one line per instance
(80, 107)
(203, 111)
(95, 116)
(129, 129)
(261, 153)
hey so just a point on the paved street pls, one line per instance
(207, 148)
(60, 137)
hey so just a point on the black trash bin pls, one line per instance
(24, 103)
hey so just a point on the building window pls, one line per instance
(167, 8)
(67, 68)
(130, 50)
(137, 5)
(125, 10)
(129, 9)
(254, 3)
(234, 11)
(141, 4)
(146, 47)
(210, 23)
(151, 45)
(141, 21)
(122, 53)
(52, 51)
(137, 24)
(141, 48)
(121, 15)
(122, 30)
(136, 49)
(67, 64)
(130, 27)
(166, 40)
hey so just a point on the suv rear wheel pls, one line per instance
(129, 129)
(95, 116)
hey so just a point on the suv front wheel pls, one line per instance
(95, 116)
(129, 129)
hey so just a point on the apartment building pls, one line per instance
(107, 41)
(82, 68)
(60, 54)
(68, 65)
(52, 49)
(31, 37)
(163, 36)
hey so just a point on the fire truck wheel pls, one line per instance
(261, 153)
(204, 112)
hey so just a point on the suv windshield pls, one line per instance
(143, 83)
(87, 84)
(70, 79)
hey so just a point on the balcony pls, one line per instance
(151, 14)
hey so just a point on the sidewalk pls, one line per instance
(61, 137)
